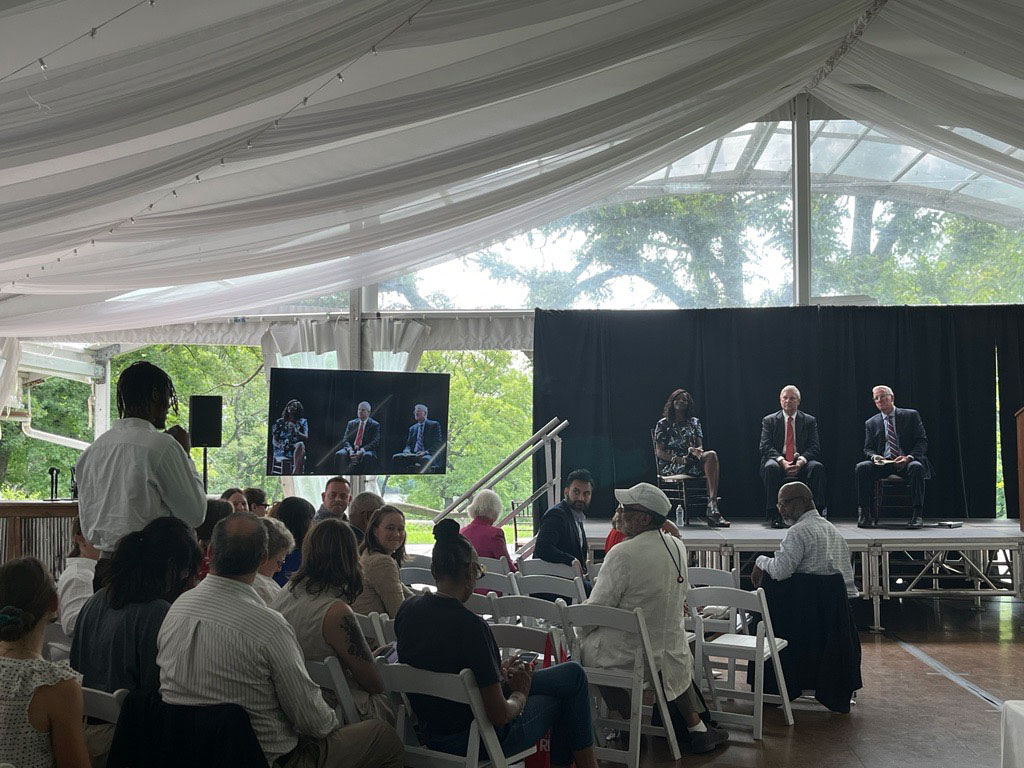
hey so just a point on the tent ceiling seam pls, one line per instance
(846, 43)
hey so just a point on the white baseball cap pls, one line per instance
(645, 495)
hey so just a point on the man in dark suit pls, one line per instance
(424, 448)
(789, 451)
(895, 444)
(562, 538)
(361, 443)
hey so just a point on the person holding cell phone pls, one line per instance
(438, 633)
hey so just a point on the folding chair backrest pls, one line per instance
(481, 604)
(499, 565)
(551, 585)
(497, 582)
(525, 607)
(411, 575)
(729, 597)
(514, 637)
(329, 674)
(102, 705)
(401, 680)
(713, 577)
(536, 567)
(417, 561)
(370, 626)
(387, 628)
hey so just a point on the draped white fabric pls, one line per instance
(474, 121)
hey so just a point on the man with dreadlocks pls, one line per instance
(135, 472)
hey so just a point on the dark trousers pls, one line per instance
(774, 476)
(866, 474)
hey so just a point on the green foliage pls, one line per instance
(59, 406)
(489, 416)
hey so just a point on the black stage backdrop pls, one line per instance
(609, 373)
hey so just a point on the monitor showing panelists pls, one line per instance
(356, 422)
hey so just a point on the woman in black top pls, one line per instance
(438, 633)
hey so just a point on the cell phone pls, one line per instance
(528, 657)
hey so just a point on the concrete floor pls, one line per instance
(908, 714)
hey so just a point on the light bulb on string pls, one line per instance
(174, 193)
(42, 64)
(341, 77)
(92, 32)
(197, 178)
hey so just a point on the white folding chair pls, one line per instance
(594, 570)
(56, 645)
(329, 675)
(513, 638)
(502, 583)
(718, 618)
(370, 627)
(495, 565)
(532, 612)
(551, 585)
(386, 628)
(481, 605)
(535, 567)
(643, 676)
(401, 680)
(413, 576)
(750, 648)
(417, 561)
(101, 705)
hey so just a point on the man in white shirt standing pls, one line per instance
(648, 570)
(220, 643)
(811, 545)
(136, 472)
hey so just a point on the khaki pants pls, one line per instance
(370, 744)
(97, 742)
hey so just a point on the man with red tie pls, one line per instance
(895, 444)
(789, 451)
(361, 443)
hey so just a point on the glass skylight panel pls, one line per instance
(995, 191)
(776, 156)
(936, 172)
(826, 151)
(730, 153)
(877, 160)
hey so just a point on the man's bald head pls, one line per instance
(238, 546)
(361, 507)
(794, 500)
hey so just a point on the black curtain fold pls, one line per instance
(610, 373)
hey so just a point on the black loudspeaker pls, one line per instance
(204, 420)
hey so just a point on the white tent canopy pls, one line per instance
(197, 160)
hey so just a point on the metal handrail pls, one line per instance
(538, 440)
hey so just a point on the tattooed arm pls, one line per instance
(341, 631)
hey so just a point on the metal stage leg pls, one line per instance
(878, 570)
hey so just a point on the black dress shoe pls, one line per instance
(714, 517)
(863, 519)
(917, 520)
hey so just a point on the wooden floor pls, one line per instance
(909, 714)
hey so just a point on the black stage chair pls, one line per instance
(892, 498)
(690, 493)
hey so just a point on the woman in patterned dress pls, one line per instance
(679, 448)
(290, 433)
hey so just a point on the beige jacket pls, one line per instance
(383, 590)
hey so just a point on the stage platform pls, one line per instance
(979, 558)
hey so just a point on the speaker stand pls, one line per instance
(205, 472)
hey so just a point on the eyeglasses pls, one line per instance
(479, 569)
(783, 503)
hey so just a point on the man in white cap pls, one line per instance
(648, 571)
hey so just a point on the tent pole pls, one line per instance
(800, 109)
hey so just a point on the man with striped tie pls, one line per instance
(895, 443)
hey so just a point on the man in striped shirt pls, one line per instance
(811, 545)
(220, 643)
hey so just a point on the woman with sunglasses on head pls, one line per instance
(381, 555)
(437, 632)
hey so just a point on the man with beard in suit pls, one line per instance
(789, 451)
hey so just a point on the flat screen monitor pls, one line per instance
(356, 422)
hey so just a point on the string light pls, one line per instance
(276, 124)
